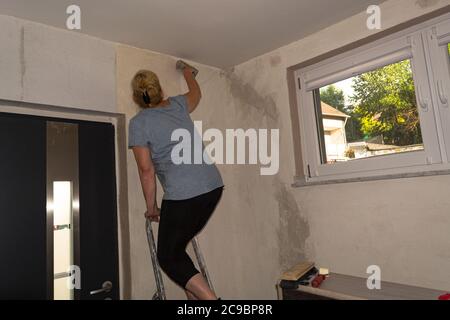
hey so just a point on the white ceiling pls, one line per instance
(220, 33)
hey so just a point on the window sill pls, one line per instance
(301, 182)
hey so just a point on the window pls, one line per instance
(378, 110)
(371, 114)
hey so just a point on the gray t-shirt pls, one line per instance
(153, 127)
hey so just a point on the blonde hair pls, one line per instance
(146, 84)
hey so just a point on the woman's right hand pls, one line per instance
(188, 72)
(153, 215)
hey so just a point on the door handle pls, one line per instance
(106, 287)
(441, 93)
(423, 102)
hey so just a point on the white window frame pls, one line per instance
(438, 37)
(423, 45)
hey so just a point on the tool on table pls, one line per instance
(304, 274)
(317, 281)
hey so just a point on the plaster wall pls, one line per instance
(400, 225)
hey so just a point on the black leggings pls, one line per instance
(180, 221)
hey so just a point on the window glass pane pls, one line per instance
(62, 290)
(62, 238)
(373, 114)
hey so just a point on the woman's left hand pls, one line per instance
(153, 215)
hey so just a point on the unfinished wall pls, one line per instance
(46, 65)
(401, 225)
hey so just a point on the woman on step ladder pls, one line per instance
(191, 191)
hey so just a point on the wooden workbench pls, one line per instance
(343, 287)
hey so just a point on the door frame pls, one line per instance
(118, 120)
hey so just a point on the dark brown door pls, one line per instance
(24, 227)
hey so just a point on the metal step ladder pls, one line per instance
(160, 293)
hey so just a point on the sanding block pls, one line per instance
(181, 65)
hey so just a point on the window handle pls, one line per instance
(441, 93)
(422, 102)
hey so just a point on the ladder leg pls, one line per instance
(160, 293)
(201, 262)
